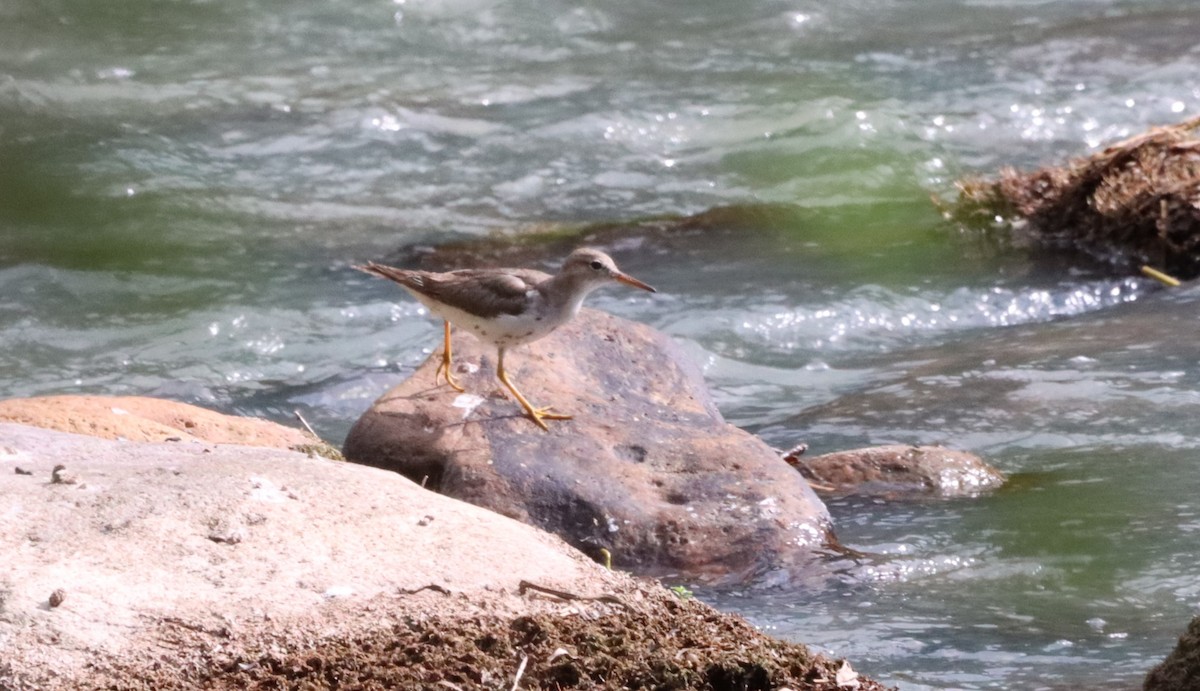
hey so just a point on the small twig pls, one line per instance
(217, 633)
(1161, 277)
(432, 586)
(305, 423)
(520, 672)
(792, 455)
(524, 586)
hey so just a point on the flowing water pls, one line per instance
(184, 185)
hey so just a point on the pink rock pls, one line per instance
(326, 552)
(137, 418)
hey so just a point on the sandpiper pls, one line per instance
(508, 307)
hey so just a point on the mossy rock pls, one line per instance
(1135, 203)
(1180, 671)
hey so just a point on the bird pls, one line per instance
(508, 307)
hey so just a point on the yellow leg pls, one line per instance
(445, 366)
(538, 415)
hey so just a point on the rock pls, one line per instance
(343, 576)
(648, 469)
(134, 547)
(1130, 204)
(1180, 671)
(899, 470)
(137, 418)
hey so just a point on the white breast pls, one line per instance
(504, 330)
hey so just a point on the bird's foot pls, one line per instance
(539, 415)
(548, 414)
(444, 369)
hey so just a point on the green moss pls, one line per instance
(320, 449)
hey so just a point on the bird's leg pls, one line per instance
(445, 366)
(538, 415)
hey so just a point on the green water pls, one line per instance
(184, 185)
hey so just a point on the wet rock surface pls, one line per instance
(647, 469)
(898, 470)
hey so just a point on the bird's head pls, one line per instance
(592, 266)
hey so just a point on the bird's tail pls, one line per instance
(384, 271)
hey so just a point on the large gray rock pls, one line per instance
(188, 556)
(648, 469)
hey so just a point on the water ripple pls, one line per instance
(872, 315)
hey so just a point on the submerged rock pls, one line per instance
(647, 469)
(722, 229)
(898, 470)
(1180, 671)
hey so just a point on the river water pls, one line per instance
(184, 185)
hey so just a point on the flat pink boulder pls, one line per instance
(136, 418)
(144, 559)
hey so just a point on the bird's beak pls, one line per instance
(631, 281)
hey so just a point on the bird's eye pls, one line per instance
(597, 265)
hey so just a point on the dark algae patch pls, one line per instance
(667, 644)
(1180, 671)
(682, 646)
(1135, 203)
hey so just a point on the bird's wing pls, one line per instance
(484, 292)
